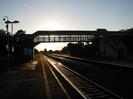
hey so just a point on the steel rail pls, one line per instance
(85, 87)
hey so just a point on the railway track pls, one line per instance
(55, 85)
(85, 87)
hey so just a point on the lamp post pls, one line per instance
(10, 48)
(13, 22)
(7, 24)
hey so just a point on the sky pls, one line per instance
(37, 15)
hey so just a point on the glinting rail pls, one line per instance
(85, 87)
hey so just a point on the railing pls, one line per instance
(64, 38)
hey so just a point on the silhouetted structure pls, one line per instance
(104, 43)
(100, 43)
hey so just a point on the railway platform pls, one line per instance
(25, 82)
(33, 80)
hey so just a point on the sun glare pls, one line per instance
(52, 25)
(50, 46)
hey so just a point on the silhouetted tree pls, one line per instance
(88, 50)
(71, 48)
(81, 49)
(22, 43)
(36, 51)
(130, 30)
(19, 39)
(65, 50)
(74, 49)
(3, 42)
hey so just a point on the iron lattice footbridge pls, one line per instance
(73, 36)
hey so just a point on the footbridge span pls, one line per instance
(109, 42)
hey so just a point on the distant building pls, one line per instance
(112, 47)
